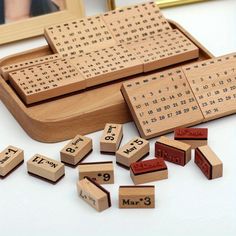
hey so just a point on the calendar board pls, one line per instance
(161, 102)
(191, 94)
(214, 85)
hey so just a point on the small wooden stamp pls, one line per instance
(100, 172)
(94, 194)
(46, 168)
(208, 162)
(137, 197)
(195, 137)
(149, 170)
(133, 151)
(10, 158)
(76, 150)
(173, 151)
(111, 138)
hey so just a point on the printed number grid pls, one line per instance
(107, 64)
(214, 85)
(164, 49)
(136, 22)
(46, 81)
(161, 102)
(79, 36)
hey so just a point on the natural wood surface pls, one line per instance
(45, 168)
(111, 138)
(136, 149)
(94, 194)
(214, 85)
(173, 151)
(208, 162)
(137, 197)
(76, 150)
(65, 117)
(100, 172)
(161, 102)
(10, 158)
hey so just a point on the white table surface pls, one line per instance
(187, 203)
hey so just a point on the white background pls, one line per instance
(187, 203)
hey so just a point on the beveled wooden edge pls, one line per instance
(35, 26)
(53, 128)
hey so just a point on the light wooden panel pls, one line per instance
(161, 102)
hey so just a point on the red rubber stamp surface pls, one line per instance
(148, 166)
(191, 133)
(170, 154)
(203, 164)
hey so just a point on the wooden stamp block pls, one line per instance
(195, 137)
(137, 197)
(94, 194)
(5, 70)
(165, 49)
(111, 138)
(76, 150)
(46, 168)
(208, 162)
(41, 82)
(10, 158)
(136, 22)
(79, 36)
(133, 151)
(213, 83)
(161, 102)
(108, 64)
(173, 151)
(147, 171)
(100, 172)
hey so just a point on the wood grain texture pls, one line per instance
(45, 168)
(214, 84)
(111, 138)
(173, 151)
(100, 172)
(165, 49)
(208, 162)
(10, 158)
(94, 194)
(133, 151)
(62, 119)
(76, 150)
(161, 102)
(137, 197)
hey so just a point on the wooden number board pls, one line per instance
(136, 22)
(79, 36)
(46, 81)
(164, 49)
(214, 85)
(161, 102)
(107, 64)
(182, 97)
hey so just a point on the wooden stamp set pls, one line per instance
(95, 70)
(75, 81)
(93, 175)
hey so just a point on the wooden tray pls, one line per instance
(78, 113)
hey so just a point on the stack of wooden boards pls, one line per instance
(183, 96)
(100, 49)
(92, 175)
